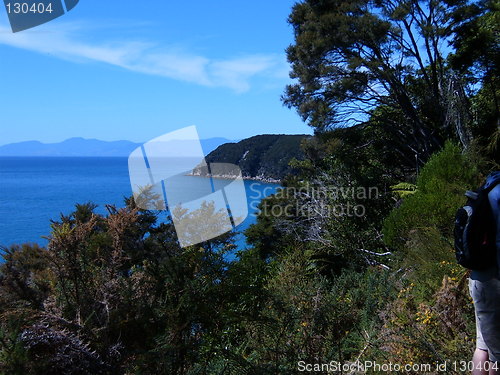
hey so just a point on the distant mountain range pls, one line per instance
(88, 147)
(262, 157)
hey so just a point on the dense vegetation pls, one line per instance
(352, 260)
(262, 156)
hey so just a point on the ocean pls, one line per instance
(34, 190)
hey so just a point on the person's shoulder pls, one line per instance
(493, 183)
(492, 179)
(495, 193)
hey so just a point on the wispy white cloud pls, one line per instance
(236, 73)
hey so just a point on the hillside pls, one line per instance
(264, 157)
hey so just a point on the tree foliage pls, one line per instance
(384, 62)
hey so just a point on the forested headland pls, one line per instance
(403, 97)
(262, 157)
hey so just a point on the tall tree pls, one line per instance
(351, 57)
(477, 56)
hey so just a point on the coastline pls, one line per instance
(265, 180)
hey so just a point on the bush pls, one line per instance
(441, 187)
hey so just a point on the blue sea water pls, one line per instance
(34, 190)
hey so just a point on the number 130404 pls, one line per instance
(26, 8)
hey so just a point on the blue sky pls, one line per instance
(136, 70)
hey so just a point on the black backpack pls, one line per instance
(475, 229)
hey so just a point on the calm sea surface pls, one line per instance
(34, 190)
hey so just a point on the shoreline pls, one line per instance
(266, 180)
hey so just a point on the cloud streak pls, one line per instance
(237, 74)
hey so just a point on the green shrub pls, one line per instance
(441, 186)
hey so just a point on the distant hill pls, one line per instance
(87, 147)
(264, 157)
